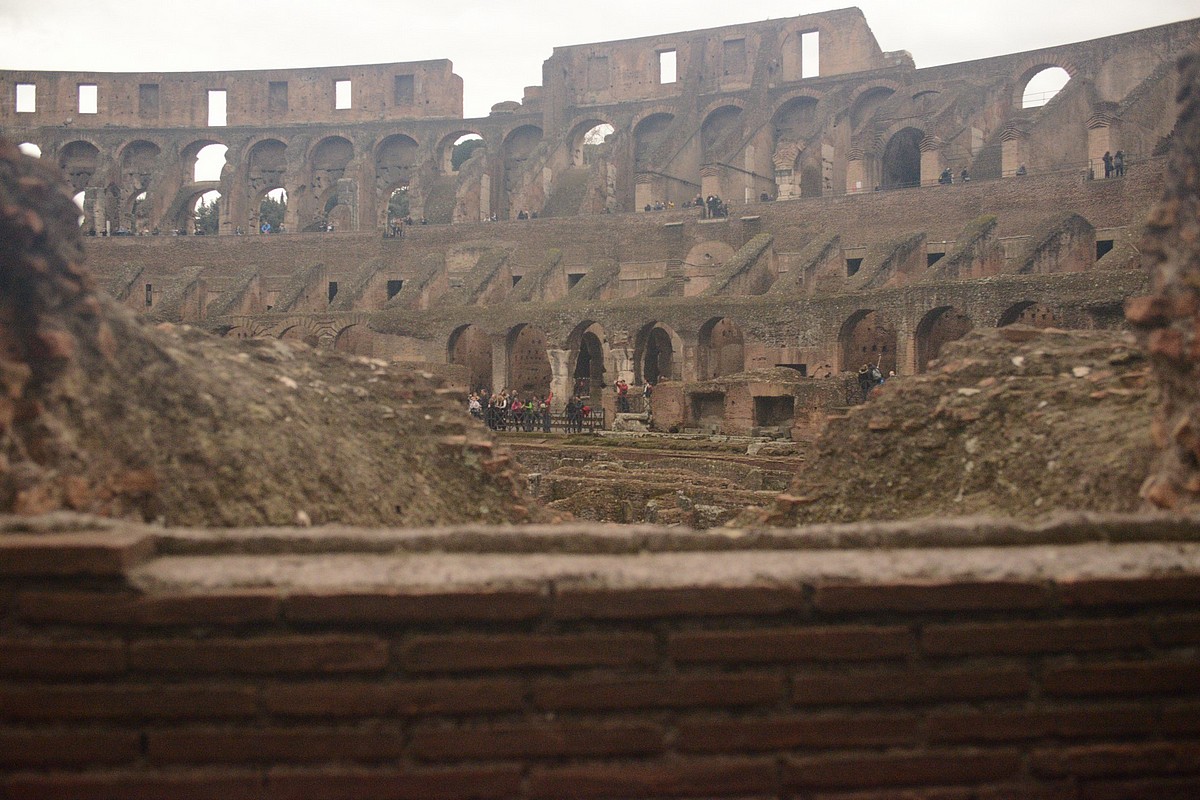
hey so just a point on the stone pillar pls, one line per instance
(786, 185)
(710, 181)
(560, 377)
(643, 191)
(499, 362)
(1014, 144)
(1168, 320)
(1101, 137)
(931, 160)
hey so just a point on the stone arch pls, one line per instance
(588, 345)
(901, 165)
(528, 365)
(657, 354)
(356, 340)
(139, 162)
(190, 160)
(867, 337)
(470, 347)
(445, 149)
(1030, 68)
(1029, 312)
(867, 100)
(721, 132)
(328, 161)
(519, 146)
(937, 328)
(649, 133)
(266, 166)
(793, 124)
(722, 349)
(396, 159)
(576, 143)
(300, 332)
(79, 160)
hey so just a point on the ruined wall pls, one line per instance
(750, 113)
(981, 660)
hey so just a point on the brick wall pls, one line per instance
(936, 661)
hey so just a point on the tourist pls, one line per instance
(1108, 164)
(946, 178)
(544, 407)
(474, 407)
(622, 389)
(1119, 164)
(1021, 170)
(865, 384)
(964, 176)
(647, 391)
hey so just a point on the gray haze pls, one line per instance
(498, 46)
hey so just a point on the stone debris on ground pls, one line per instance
(1017, 421)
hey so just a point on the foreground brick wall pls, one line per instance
(920, 662)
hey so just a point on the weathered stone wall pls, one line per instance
(953, 660)
(745, 117)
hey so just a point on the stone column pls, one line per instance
(931, 160)
(1014, 144)
(643, 191)
(1169, 319)
(1101, 135)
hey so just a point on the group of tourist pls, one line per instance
(871, 376)
(712, 206)
(947, 176)
(1114, 165)
(509, 410)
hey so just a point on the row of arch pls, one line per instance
(140, 187)
(866, 337)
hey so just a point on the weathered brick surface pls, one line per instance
(466, 653)
(264, 655)
(792, 645)
(992, 690)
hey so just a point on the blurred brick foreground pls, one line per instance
(978, 657)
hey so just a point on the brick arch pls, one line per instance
(861, 93)
(940, 326)
(471, 347)
(589, 359)
(444, 147)
(867, 337)
(658, 353)
(721, 349)
(578, 128)
(528, 363)
(1030, 67)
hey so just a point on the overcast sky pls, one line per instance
(498, 46)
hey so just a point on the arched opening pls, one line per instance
(588, 144)
(654, 356)
(937, 328)
(323, 208)
(1029, 313)
(867, 338)
(355, 340)
(139, 213)
(528, 364)
(518, 149)
(297, 333)
(472, 348)
(647, 136)
(30, 149)
(867, 104)
(272, 211)
(1043, 85)
(722, 349)
(720, 134)
(395, 163)
(210, 160)
(139, 161)
(587, 361)
(457, 149)
(206, 215)
(79, 160)
(902, 160)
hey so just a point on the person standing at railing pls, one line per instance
(1108, 164)
(1119, 164)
